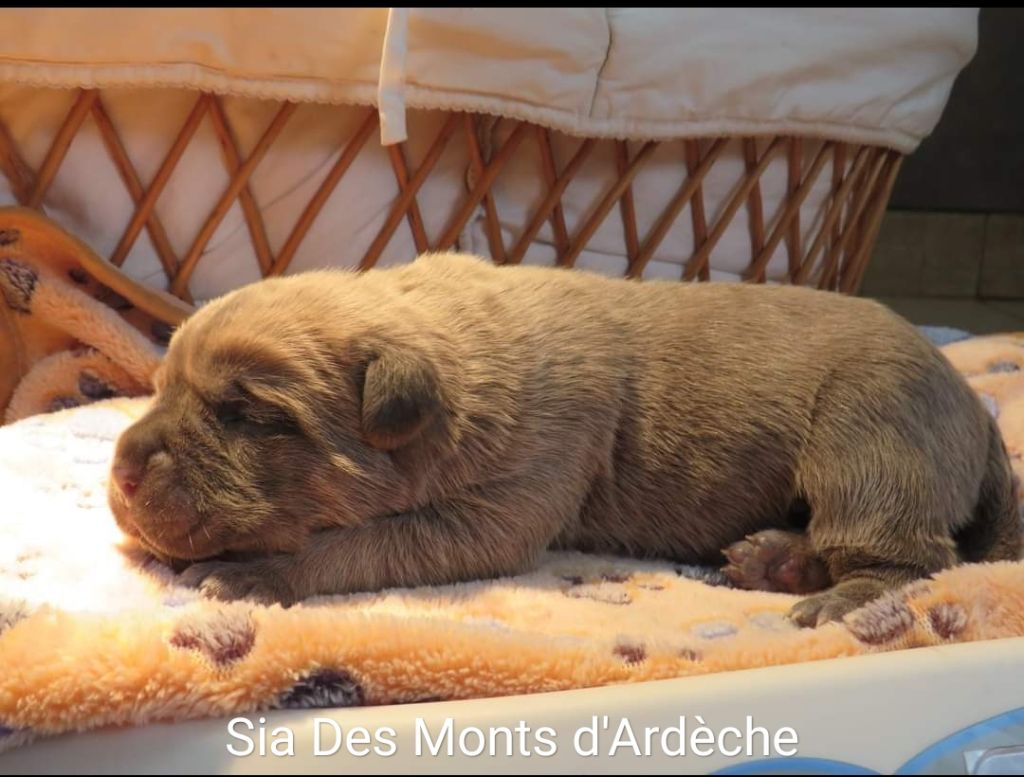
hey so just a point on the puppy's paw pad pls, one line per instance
(775, 560)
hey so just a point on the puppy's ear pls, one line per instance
(401, 398)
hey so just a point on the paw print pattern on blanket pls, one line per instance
(631, 654)
(11, 612)
(222, 636)
(17, 284)
(90, 386)
(947, 620)
(882, 621)
(893, 619)
(323, 688)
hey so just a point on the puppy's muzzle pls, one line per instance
(143, 482)
(140, 453)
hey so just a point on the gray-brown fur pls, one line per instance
(448, 420)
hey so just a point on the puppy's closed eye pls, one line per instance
(231, 412)
(246, 412)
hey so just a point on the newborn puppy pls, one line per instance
(449, 420)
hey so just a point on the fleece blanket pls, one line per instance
(94, 635)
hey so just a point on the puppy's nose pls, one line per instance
(128, 478)
(140, 450)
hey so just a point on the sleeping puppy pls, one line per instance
(449, 420)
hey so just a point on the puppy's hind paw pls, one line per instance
(836, 603)
(262, 582)
(775, 560)
(821, 609)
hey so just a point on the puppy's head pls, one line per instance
(280, 410)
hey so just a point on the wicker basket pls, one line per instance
(860, 179)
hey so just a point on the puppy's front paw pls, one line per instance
(262, 581)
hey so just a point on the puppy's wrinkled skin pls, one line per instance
(448, 420)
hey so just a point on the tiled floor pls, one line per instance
(964, 270)
(927, 254)
(972, 315)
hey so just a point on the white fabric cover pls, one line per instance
(866, 75)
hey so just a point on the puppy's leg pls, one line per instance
(889, 470)
(867, 564)
(471, 538)
(876, 529)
